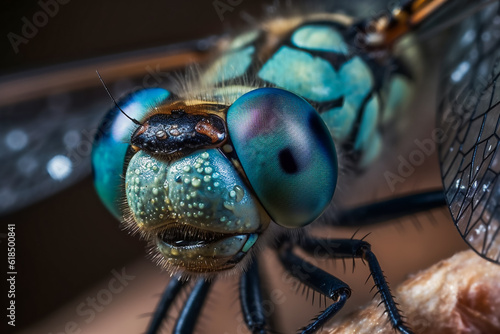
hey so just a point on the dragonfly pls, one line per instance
(60, 172)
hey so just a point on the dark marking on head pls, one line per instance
(287, 161)
(178, 132)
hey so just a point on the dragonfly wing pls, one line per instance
(469, 117)
(44, 149)
(48, 117)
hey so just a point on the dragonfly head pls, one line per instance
(203, 181)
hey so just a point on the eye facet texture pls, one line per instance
(286, 152)
(112, 141)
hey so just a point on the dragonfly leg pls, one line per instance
(320, 281)
(352, 248)
(168, 296)
(390, 209)
(251, 300)
(191, 310)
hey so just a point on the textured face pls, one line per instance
(200, 211)
(201, 181)
(185, 197)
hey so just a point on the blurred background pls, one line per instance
(68, 247)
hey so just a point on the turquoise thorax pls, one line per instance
(317, 62)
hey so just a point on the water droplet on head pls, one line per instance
(240, 193)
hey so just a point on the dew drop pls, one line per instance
(196, 182)
(240, 193)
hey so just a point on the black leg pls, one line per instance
(349, 248)
(320, 281)
(167, 298)
(251, 299)
(390, 209)
(187, 319)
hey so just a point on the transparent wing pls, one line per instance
(48, 117)
(469, 117)
(44, 148)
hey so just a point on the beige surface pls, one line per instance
(457, 295)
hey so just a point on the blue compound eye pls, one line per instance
(111, 144)
(286, 152)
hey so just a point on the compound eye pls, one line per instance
(161, 134)
(112, 142)
(286, 152)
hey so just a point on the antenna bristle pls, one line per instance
(116, 104)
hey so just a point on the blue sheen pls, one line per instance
(357, 83)
(230, 65)
(252, 238)
(286, 152)
(368, 124)
(111, 144)
(297, 71)
(319, 38)
(357, 78)
(340, 120)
